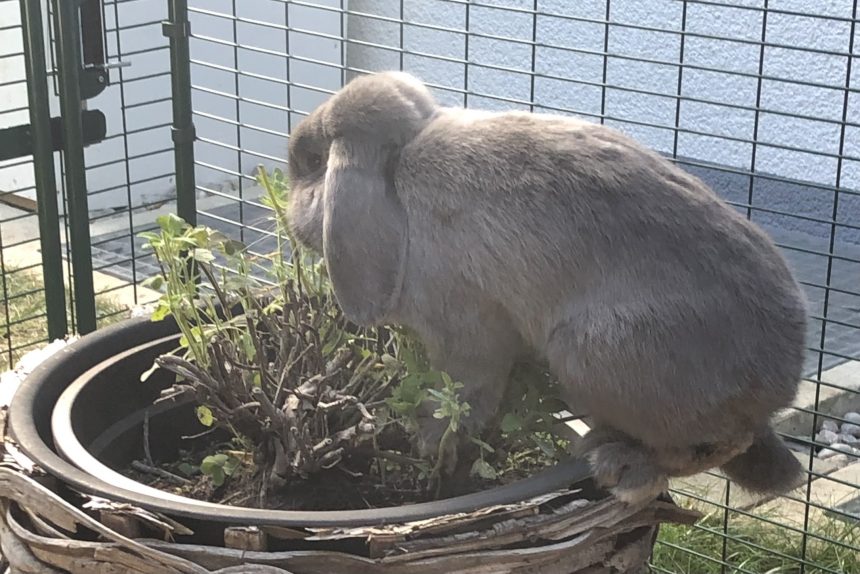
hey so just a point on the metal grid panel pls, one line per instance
(755, 97)
(130, 174)
(23, 321)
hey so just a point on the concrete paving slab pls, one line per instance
(836, 491)
(841, 394)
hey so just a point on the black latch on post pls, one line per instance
(95, 76)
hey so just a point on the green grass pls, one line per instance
(23, 320)
(758, 547)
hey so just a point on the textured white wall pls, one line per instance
(717, 125)
(718, 130)
(257, 98)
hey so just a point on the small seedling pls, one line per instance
(218, 467)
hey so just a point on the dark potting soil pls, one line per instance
(351, 485)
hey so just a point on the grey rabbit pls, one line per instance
(668, 316)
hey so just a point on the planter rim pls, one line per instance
(66, 374)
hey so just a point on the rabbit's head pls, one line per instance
(343, 201)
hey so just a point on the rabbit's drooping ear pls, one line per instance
(383, 108)
(364, 233)
(365, 229)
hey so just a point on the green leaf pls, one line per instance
(162, 311)
(230, 465)
(399, 407)
(248, 347)
(187, 469)
(205, 416)
(483, 469)
(171, 223)
(204, 255)
(208, 465)
(446, 379)
(196, 332)
(218, 467)
(200, 236)
(511, 423)
(409, 357)
(149, 236)
(185, 242)
(330, 346)
(232, 247)
(155, 282)
(218, 476)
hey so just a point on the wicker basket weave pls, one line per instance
(559, 533)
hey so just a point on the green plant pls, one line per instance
(218, 467)
(269, 356)
(276, 366)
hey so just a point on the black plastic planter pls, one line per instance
(92, 392)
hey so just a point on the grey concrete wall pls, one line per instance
(718, 122)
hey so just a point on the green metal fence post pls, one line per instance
(177, 28)
(67, 23)
(43, 167)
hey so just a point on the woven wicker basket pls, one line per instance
(560, 533)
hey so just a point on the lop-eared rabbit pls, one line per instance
(667, 316)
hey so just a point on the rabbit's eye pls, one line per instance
(314, 162)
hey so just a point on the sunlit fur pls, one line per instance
(666, 314)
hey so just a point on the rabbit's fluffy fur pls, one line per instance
(665, 314)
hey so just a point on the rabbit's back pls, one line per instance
(610, 258)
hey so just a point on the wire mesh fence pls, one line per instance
(23, 317)
(120, 181)
(756, 97)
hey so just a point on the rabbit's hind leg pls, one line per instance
(690, 459)
(625, 467)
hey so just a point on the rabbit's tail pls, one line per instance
(768, 466)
